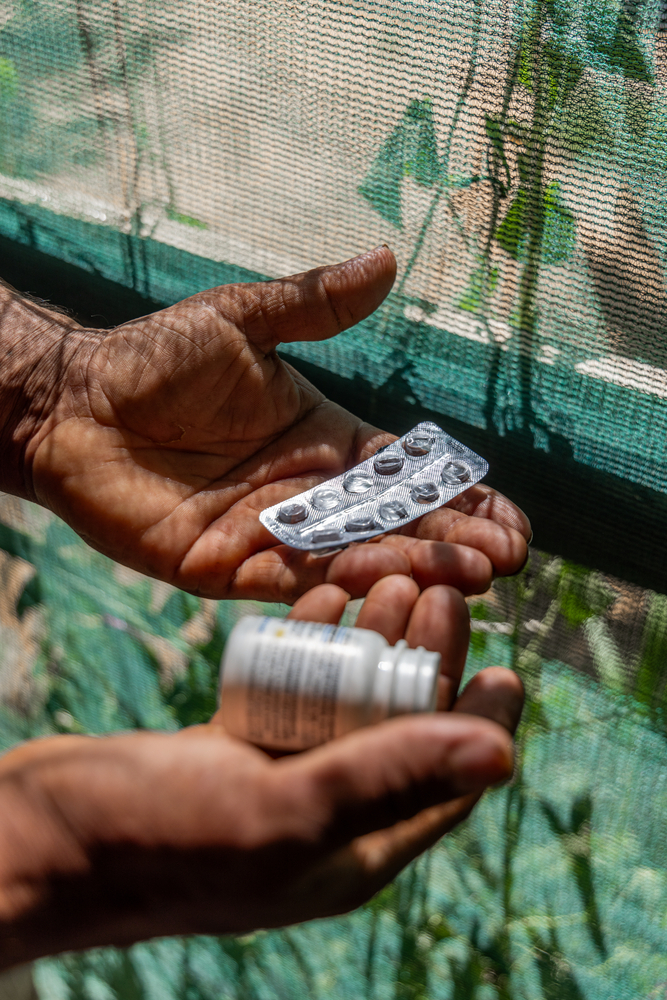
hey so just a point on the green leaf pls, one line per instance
(382, 184)
(420, 143)
(481, 286)
(557, 979)
(557, 222)
(411, 150)
(581, 594)
(581, 124)
(185, 220)
(626, 53)
(575, 839)
(494, 132)
(510, 232)
(606, 655)
(530, 41)
(564, 70)
(651, 682)
(478, 643)
(9, 81)
(559, 234)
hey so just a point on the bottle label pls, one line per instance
(294, 674)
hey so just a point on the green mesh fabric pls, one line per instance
(513, 155)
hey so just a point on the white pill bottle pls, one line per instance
(290, 685)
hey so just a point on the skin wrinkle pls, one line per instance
(255, 315)
(239, 378)
(42, 424)
(136, 349)
(180, 337)
(281, 310)
(69, 855)
(219, 306)
(267, 480)
(275, 374)
(178, 567)
(334, 311)
(281, 574)
(117, 409)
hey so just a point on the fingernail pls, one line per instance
(474, 765)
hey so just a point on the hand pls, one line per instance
(108, 841)
(162, 440)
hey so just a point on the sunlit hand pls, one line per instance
(108, 841)
(162, 440)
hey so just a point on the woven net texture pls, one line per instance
(514, 156)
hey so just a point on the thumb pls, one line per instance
(380, 776)
(317, 304)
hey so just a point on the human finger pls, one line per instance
(231, 566)
(483, 501)
(324, 604)
(314, 305)
(386, 774)
(388, 606)
(440, 621)
(437, 619)
(433, 562)
(356, 569)
(495, 693)
(505, 547)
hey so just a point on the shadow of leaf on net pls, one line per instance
(575, 839)
(556, 976)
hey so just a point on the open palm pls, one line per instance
(169, 434)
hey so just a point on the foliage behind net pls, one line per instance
(513, 155)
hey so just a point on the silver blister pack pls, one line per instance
(419, 472)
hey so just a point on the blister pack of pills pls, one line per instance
(419, 472)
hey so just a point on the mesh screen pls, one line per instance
(513, 155)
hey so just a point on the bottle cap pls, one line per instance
(406, 681)
(415, 681)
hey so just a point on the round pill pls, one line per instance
(424, 492)
(327, 535)
(387, 465)
(361, 523)
(418, 444)
(325, 498)
(357, 482)
(455, 472)
(393, 510)
(292, 513)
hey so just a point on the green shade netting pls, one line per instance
(514, 157)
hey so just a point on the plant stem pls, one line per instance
(442, 183)
(534, 214)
